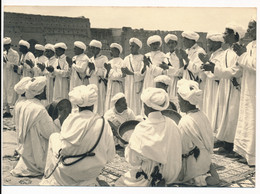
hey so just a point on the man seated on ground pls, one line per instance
(197, 138)
(154, 148)
(164, 82)
(79, 133)
(118, 114)
(35, 128)
(19, 88)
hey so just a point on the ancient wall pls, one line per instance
(52, 29)
(46, 29)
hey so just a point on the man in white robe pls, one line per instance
(79, 66)
(132, 67)
(196, 137)
(78, 135)
(155, 62)
(35, 128)
(61, 73)
(114, 74)
(10, 77)
(48, 72)
(98, 75)
(20, 90)
(229, 88)
(154, 148)
(192, 68)
(175, 64)
(244, 143)
(27, 60)
(210, 93)
(118, 114)
(40, 60)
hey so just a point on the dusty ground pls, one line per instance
(231, 172)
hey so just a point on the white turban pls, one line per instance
(7, 40)
(39, 47)
(24, 43)
(163, 79)
(214, 36)
(95, 43)
(153, 39)
(170, 37)
(117, 97)
(84, 95)
(80, 44)
(136, 41)
(191, 35)
(118, 46)
(189, 91)
(35, 86)
(60, 45)
(155, 98)
(19, 88)
(49, 47)
(237, 29)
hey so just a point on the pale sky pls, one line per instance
(149, 18)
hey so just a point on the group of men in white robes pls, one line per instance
(219, 88)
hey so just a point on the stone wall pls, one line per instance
(46, 29)
(52, 29)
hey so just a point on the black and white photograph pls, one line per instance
(128, 96)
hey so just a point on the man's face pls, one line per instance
(155, 46)
(188, 42)
(134, 48)
(161, 85)
(49, 53)
(78, 51)
(172, 44)
(23, 49)
(38, 53)
(114, 52)
(94, 50)
(121, 105)
(229, 36)
(59, 51)
(251, 30)
(7, 47)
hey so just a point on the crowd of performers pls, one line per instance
(214, 92)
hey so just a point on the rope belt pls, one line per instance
(195, 151)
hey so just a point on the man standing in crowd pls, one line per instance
(155, 62)
(192, 63)
(40, 60)
(210, 93)
(114, 74)
(51, 63)
(244, 143)
(98, 75)
(79, 133)
(35, 128)
(154, 149)
(132, 67)
(229, 89)
(27, 60)
(79, 66)
(61, 73)
(11, 59)
(175, 64)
